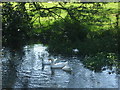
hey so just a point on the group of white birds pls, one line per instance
(56, 65)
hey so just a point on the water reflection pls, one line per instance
(23, 69)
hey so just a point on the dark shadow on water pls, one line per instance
(12, 57)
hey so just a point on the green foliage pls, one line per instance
(102, 41)
(100, 60)
(76, 31)
(66, 34)
(16, 23)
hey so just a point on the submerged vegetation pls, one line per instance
(92, 28)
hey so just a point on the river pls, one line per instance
(23, 69)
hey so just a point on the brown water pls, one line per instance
(23, 69)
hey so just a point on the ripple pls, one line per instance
(30, 72)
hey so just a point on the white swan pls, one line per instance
(61, 65)
(57, 65)
(45, 62)
(67, 68)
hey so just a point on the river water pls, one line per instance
(23, 69)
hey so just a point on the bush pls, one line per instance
(98, 61)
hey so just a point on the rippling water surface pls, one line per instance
(23, 69)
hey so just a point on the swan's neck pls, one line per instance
(42, 61)
(52, 62)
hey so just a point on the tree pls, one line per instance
(16, 23)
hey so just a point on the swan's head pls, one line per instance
(51, 60)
